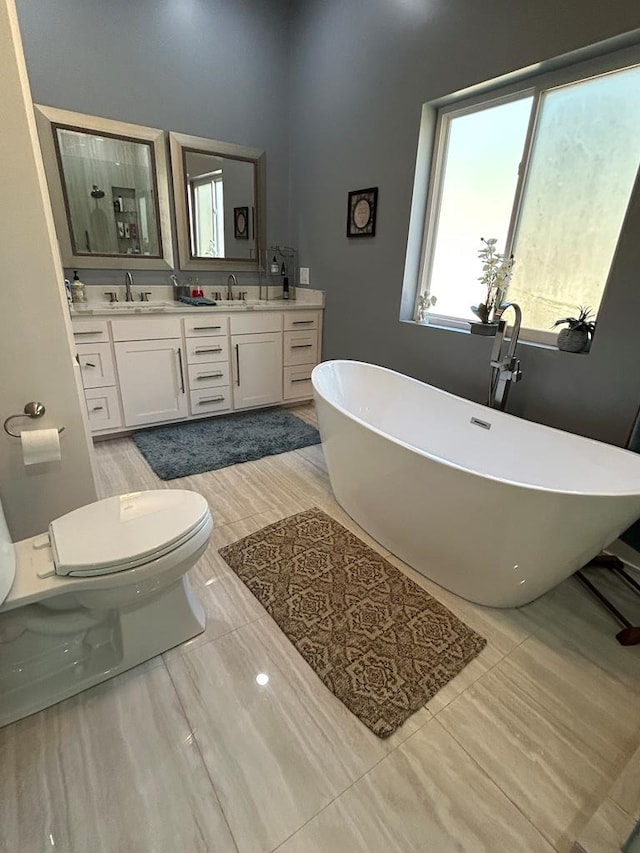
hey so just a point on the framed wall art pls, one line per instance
(361, 212)
(241, 223)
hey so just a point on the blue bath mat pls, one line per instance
(180, 450)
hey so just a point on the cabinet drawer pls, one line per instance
(103, 408)
(196, 327)
(251, 323)
(201, 350)
(96, 365)
(212, 375)
(297, 383)
(210, 400)
(145, 328)
(86, 330)
(298, 320)
(300, 348)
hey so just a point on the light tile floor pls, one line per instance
(189, 753)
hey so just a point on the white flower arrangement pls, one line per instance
(425, 301)
(496, 275)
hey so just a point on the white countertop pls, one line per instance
(305, 300)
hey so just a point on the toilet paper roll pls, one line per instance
(40, 445)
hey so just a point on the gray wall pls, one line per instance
(216, 69)
(339, 85)
(360, 72)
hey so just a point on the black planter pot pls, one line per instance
(487, 329)
(573, 340)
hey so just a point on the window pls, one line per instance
(207, 213)
(547, 167)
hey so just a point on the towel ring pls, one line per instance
(31, 410)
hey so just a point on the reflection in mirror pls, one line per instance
(217, 189)
(109, 193)
(108, 183)
(219, 197)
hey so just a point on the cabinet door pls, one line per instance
(152, 381)
(257, 369)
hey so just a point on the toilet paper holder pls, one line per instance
(31, 410)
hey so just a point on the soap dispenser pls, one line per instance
(78, 290)
(285, 282)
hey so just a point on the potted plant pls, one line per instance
(577, 336)
(496, 274)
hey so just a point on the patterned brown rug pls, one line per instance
(378, 641)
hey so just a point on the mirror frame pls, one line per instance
(47, 118)
(181, 143)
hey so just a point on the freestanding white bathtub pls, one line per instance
(494, 508)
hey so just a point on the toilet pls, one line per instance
(103, 590)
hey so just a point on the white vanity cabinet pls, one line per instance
(149, 369)
(256, 346)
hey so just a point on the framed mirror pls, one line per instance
(109, 190)
(218, 189)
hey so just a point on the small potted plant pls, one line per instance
(577, 336)
(496, 274)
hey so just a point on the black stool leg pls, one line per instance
(630, 634)
(605, 561)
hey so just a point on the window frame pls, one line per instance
(490, 94)
(211, 179)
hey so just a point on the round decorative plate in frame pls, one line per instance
(361, 212)
(241, 223)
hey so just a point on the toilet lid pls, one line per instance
(125, 531)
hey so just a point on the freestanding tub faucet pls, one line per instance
(505, 369)
(128, 284)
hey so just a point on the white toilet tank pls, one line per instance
(7, 558)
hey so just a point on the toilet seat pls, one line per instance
(120, 533)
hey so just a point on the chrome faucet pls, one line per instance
(128, 284)
(230, 282)
(505, 369)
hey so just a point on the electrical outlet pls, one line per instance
(304, 275)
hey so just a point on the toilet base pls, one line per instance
(40, 668)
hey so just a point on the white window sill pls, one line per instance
(461, 326)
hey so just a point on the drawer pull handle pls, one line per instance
(89, 332)
(304, 379)
(97, 408)
(88, 364)
(204, 328)
(238, 363)
(211, 400)
(198, 350)
(301, 346)
(302, 322)
(210, 375)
